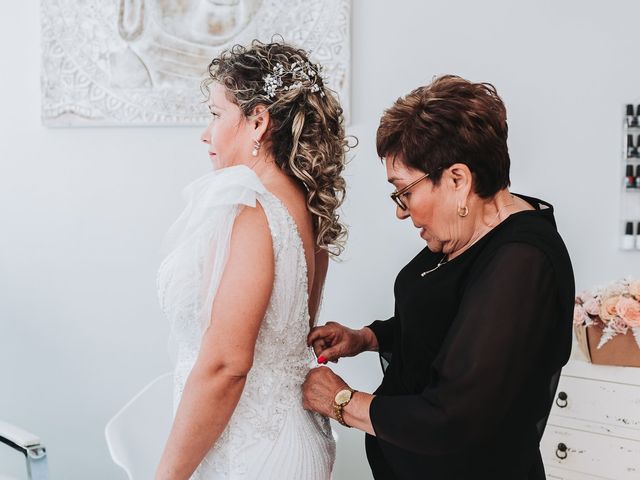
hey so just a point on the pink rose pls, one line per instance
(579, 315)
(583, 297)
(629, 310)
(634, 289)
(592, 306)
(608, 308)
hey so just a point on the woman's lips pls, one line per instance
(211, 154)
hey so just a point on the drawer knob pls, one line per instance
(561, 401)
(561, 451)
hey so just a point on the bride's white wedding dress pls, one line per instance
(269, 434)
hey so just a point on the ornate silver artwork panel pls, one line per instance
(141, 62)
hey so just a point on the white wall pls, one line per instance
(83, 210)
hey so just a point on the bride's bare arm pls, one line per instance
(216, 381)
(319, 276)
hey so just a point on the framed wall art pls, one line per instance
(141, 62)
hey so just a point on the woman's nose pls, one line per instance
(204, 136)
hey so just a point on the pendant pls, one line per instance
(440, 263)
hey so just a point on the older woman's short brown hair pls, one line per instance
(449, 121)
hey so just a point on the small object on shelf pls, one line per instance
(629, 213)
(628, 241)
(606, 323)
(632, 120)
(629, 179)
(632, 150)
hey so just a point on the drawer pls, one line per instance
(609, 403)
(554, 473)
(588, 453)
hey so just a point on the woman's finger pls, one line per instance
(317, 333)
(318, 346)
(331, 354)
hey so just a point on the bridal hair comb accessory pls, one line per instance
(300, 75)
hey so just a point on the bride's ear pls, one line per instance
(259, 121)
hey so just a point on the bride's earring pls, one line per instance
(256, 147)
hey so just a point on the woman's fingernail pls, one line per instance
(321, 359)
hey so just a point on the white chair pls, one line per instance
(136, 435)
(30, 446)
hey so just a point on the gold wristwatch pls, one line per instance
(342, 399)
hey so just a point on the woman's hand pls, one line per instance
(333, 341)
(319, 391)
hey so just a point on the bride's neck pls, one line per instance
(266, 170)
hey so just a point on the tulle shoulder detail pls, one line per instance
(213, 196)
(228, 186)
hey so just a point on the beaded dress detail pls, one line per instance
(269, 434)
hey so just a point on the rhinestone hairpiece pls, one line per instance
(301, 75)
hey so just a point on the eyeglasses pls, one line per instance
(395, 196)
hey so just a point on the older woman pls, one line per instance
(482, 317)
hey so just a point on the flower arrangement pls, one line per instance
(615, 309)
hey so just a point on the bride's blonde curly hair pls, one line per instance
(306, 130)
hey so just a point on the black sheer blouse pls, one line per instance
(473, 354)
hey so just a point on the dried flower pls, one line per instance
(579, 315)
(615, 289)
(608, 308)
(615, 309)
(618, 326)
(592, 306)
(634, 289)
(628, 310)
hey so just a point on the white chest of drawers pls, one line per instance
(593, 431)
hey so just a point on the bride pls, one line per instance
(242, 284)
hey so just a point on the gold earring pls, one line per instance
(463, 211)
(256, 147)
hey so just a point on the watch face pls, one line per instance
(343, 396)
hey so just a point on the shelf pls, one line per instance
(630, 197)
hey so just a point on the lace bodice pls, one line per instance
(187, 281)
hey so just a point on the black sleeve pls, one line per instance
(384, 332)
(492, 346)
